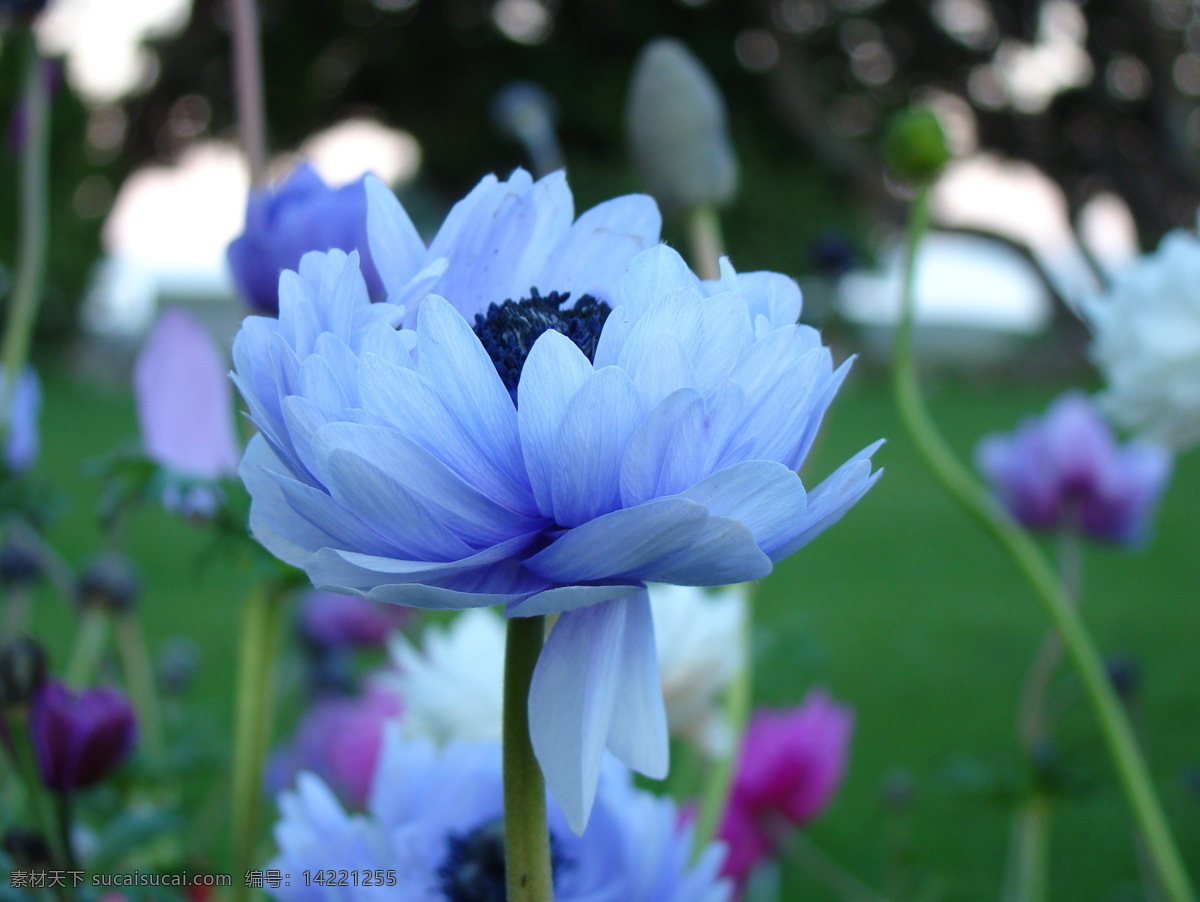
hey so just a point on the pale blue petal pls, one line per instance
(460, 506)
(829, 501)
(585, 481)
(323, 512)
(637, 733)
(671, 425)
(451, 357)
(593, 254)
(620, 543)
(568, 598)
(723, 552)
(771, 295)
(571, 702)
(273, 522)
(652, 274)
(396, 248)
(554, 371)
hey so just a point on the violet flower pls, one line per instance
(22, 440)
(285, 222)
(1065, 469)
(332, 621)
(791, 764)
(79, 738)
(185, 410)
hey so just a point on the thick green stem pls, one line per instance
(1033, 567)
(91, 637)
(34, 203)
(738, 696)
(139, 676)
(526, 836)
(704, 231)
(255, 693)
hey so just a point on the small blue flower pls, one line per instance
(23, 437)
(434, 820)
(1065, 469)
(285, 222)
(568, 419)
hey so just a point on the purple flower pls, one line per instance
(285, 222)
(790, 766)
(1066, 469)
(339, 740)
(330, 620)
(22, 442)
(184, 405)
(79, 738)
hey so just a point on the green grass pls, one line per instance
(903, 610)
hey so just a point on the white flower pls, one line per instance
(699, 640)
(1147, 343)
(452, 684)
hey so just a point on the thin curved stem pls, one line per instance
(1033, 567)
(704, 233)
(31, 257)
(526, 834)
(248, 78)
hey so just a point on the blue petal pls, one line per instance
(638, 731)
(828, 502)
(585, 479)
(624, 541)
(554, 371)
(592, 255)
(568, 598)
(396, 248)
(571, 703)
(273, 522)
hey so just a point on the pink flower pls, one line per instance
(790, 766)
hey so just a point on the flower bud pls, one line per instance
(523, 111)
(677, 129)
(20, 562)
(79, 738)
(914, 145)
(28, 849)
(1124, 674)
(176, 665)
(22, 671)
(109, 581)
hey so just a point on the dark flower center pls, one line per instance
(473, 869)
(509, 330)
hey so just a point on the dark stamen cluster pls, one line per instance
(508, 330)
(473, 869)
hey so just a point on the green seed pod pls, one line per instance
(22, 671)
(914, 145)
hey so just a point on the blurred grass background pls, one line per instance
(903, 610)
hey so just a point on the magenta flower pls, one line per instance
(1066, 469)
(185, 409)
(79, 738)
(339, 739)
(791, 764)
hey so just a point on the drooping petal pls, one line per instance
(638, 732)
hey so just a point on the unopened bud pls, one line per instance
(28, 849)
(677, 129)
(22, 671)
(914, 145)
(109, 581)
(20, 562)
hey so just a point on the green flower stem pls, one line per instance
(261, 614)
(715, 794)
(1032, 565)
(704, 233)
(34, 204)
(65, 816)
(526, 835)
(16, 620)
(91, 637)
(1028, 862)
(822, 868)
(20, 749)
(139, 676)
(248, 79)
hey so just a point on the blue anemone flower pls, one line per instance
(434, 822)
(539, 448)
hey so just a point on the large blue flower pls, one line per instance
(434, 820)
(552, 457)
